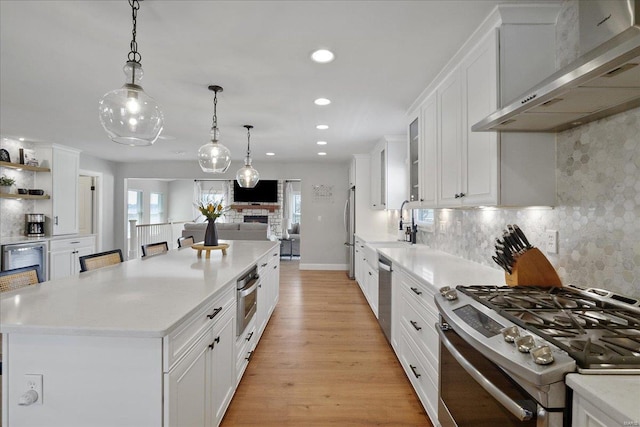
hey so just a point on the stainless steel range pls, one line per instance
(505, 350)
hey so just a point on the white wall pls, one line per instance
(181, 200)
(322, 240)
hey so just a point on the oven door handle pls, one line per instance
(523, 414)
(247, 290)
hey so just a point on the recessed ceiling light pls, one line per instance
(322, 153)
(322, 56)
(271, 154)
(322, 101)
(180, 153)
(322, 127)
(20, 139)
(321, 142)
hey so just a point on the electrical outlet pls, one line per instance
(34, 382)
(552, 241)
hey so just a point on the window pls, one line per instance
(424, 218)
(295, 217)
(156, 208)
(134, 207)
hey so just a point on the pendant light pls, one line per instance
(213, 156)
(129, 115)
(247, 176)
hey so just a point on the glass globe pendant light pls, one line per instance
(247, 176)
(213, 156)
(129, 115)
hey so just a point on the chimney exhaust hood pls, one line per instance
(602, 82)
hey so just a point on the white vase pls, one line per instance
(5, 189)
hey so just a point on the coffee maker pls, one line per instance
(35, 225)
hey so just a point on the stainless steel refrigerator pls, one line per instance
(350, 229)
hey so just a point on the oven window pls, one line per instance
(467, 402)
(249, 302)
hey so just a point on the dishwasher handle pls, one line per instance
(523, 414)
(384, 266)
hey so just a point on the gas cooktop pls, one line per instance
(598, 329)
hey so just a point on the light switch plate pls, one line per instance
(551, 242)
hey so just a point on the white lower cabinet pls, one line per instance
(586, 413)
(64, 255)
(200, 386)
(414, 337)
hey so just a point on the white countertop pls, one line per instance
(142, 297)
(374, 236)
(442, 269)
(618, 396)
(12, 240)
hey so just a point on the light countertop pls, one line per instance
(12, 240)
(618, 396)
(145, 297)
(374, 236)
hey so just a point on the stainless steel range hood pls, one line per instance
(604, 81)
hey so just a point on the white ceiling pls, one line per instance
(59, 57)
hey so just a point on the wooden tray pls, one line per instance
(200, 247)
(532, 268)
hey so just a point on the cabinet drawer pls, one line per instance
(420, 327)
(419, 291)
(245, 345)
(422, 376)
(183, 337)
(62, 244)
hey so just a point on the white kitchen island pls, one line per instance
(149, 342)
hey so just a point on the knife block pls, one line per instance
(532, 268)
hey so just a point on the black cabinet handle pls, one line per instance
(216, 311)
(416, 291)
(263, 265)
(249, 357)
(370, 273)
(457, 196)
(462, 194)
(413, 368)
(275, 266)
(213, 344)
(415, 325)
(249, 336)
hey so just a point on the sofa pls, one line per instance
(228, 231)
(294, 233)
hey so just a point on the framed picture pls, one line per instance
(4, 156)
(28, 157)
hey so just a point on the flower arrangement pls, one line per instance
(212, 211)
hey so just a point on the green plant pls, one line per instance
(6, 181)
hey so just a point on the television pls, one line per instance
(266, 191)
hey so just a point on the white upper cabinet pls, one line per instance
(514, 49)
(62, 209)
(388, 173)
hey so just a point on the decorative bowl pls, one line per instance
(36, 192)
(23, 191)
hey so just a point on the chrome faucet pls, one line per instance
(402, 207)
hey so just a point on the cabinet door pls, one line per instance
(80, 252)
(480, 173)
(414, 159)
(61, 264)
(378, 177)
(449, 147)
(428, 152)
(65, 191)
(222, 363)
(188, 387)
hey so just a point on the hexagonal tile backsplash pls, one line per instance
(597, 215)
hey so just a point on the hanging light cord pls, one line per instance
(248, 141)
(134, 56)
(215, 116)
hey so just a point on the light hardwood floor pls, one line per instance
(323, 361)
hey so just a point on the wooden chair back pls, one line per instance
(185, 241)
(155, 248)
(100, 259)
(19, 278)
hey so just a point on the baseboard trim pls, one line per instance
(324, 267)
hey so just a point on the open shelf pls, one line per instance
(24, 167)
(270, 208)
(23, 196)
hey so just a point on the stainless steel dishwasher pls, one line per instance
(384, 295)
